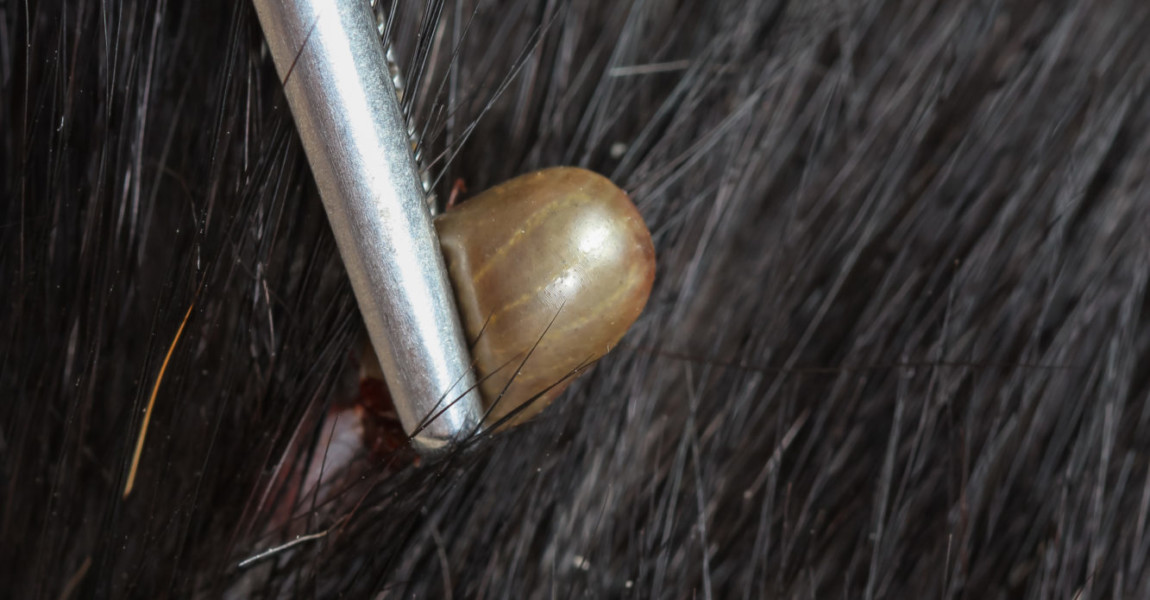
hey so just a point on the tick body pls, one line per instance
(550, 269)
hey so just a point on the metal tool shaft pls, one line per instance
(335, 75)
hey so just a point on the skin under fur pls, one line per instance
(897, 346)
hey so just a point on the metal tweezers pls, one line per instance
(335, 75)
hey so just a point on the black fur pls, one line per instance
(897, 345)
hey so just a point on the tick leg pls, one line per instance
(457, 190)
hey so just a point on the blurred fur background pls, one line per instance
(897, 345)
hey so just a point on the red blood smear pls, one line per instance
(382, 432)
